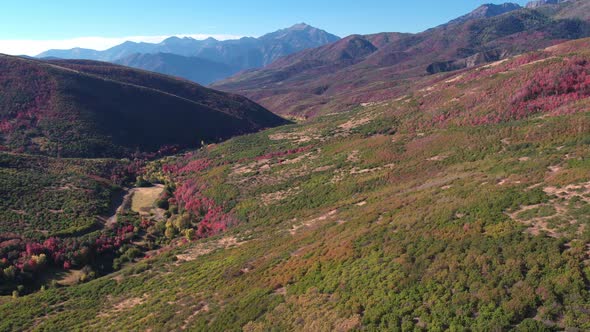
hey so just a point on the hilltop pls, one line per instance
(73, 108)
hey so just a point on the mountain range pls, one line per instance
(360, 69)
(213, 58)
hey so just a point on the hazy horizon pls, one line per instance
(104, 25)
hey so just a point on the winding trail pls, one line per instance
(125, 204)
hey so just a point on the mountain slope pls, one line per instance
(194, 69)
(83, 108)
(409, 214)
(577, 9)
(299, 86)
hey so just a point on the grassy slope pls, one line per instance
(383, 220)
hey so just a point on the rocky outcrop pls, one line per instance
(487, 10)
(469, 62)
(540, 3)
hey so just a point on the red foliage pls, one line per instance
(32, 87)
(34, 249)
(185, 165)
(63, 253)
(145, 223)
(195, 166)
(170, 168)
(550, 89)
(189, 196)
(213, 220)
(547, 90)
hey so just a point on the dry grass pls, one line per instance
(202, 249)
(312, 222)
(143, 199)
(354, 123)
(71, 278)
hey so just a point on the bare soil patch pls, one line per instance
(200, 308)
(354, 123)
(438, 158)
(297, 137)
(278, 196)
(308, 223)
(353, 157)
(72, 277)
(561, 203)
(202, 249)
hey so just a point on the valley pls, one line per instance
(431, 181)
(434, 215)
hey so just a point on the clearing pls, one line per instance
(143, 199)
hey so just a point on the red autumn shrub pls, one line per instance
(195, 166)
(283, 153)
(211, 218)
(550, 89)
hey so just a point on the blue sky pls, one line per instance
(35, 24)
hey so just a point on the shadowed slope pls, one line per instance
(85, 108)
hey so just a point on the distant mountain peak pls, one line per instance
(300, 29)
(128, 43)
(300, 26)
(491, 9)
(171, 39)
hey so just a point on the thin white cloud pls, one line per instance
(34, 47)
